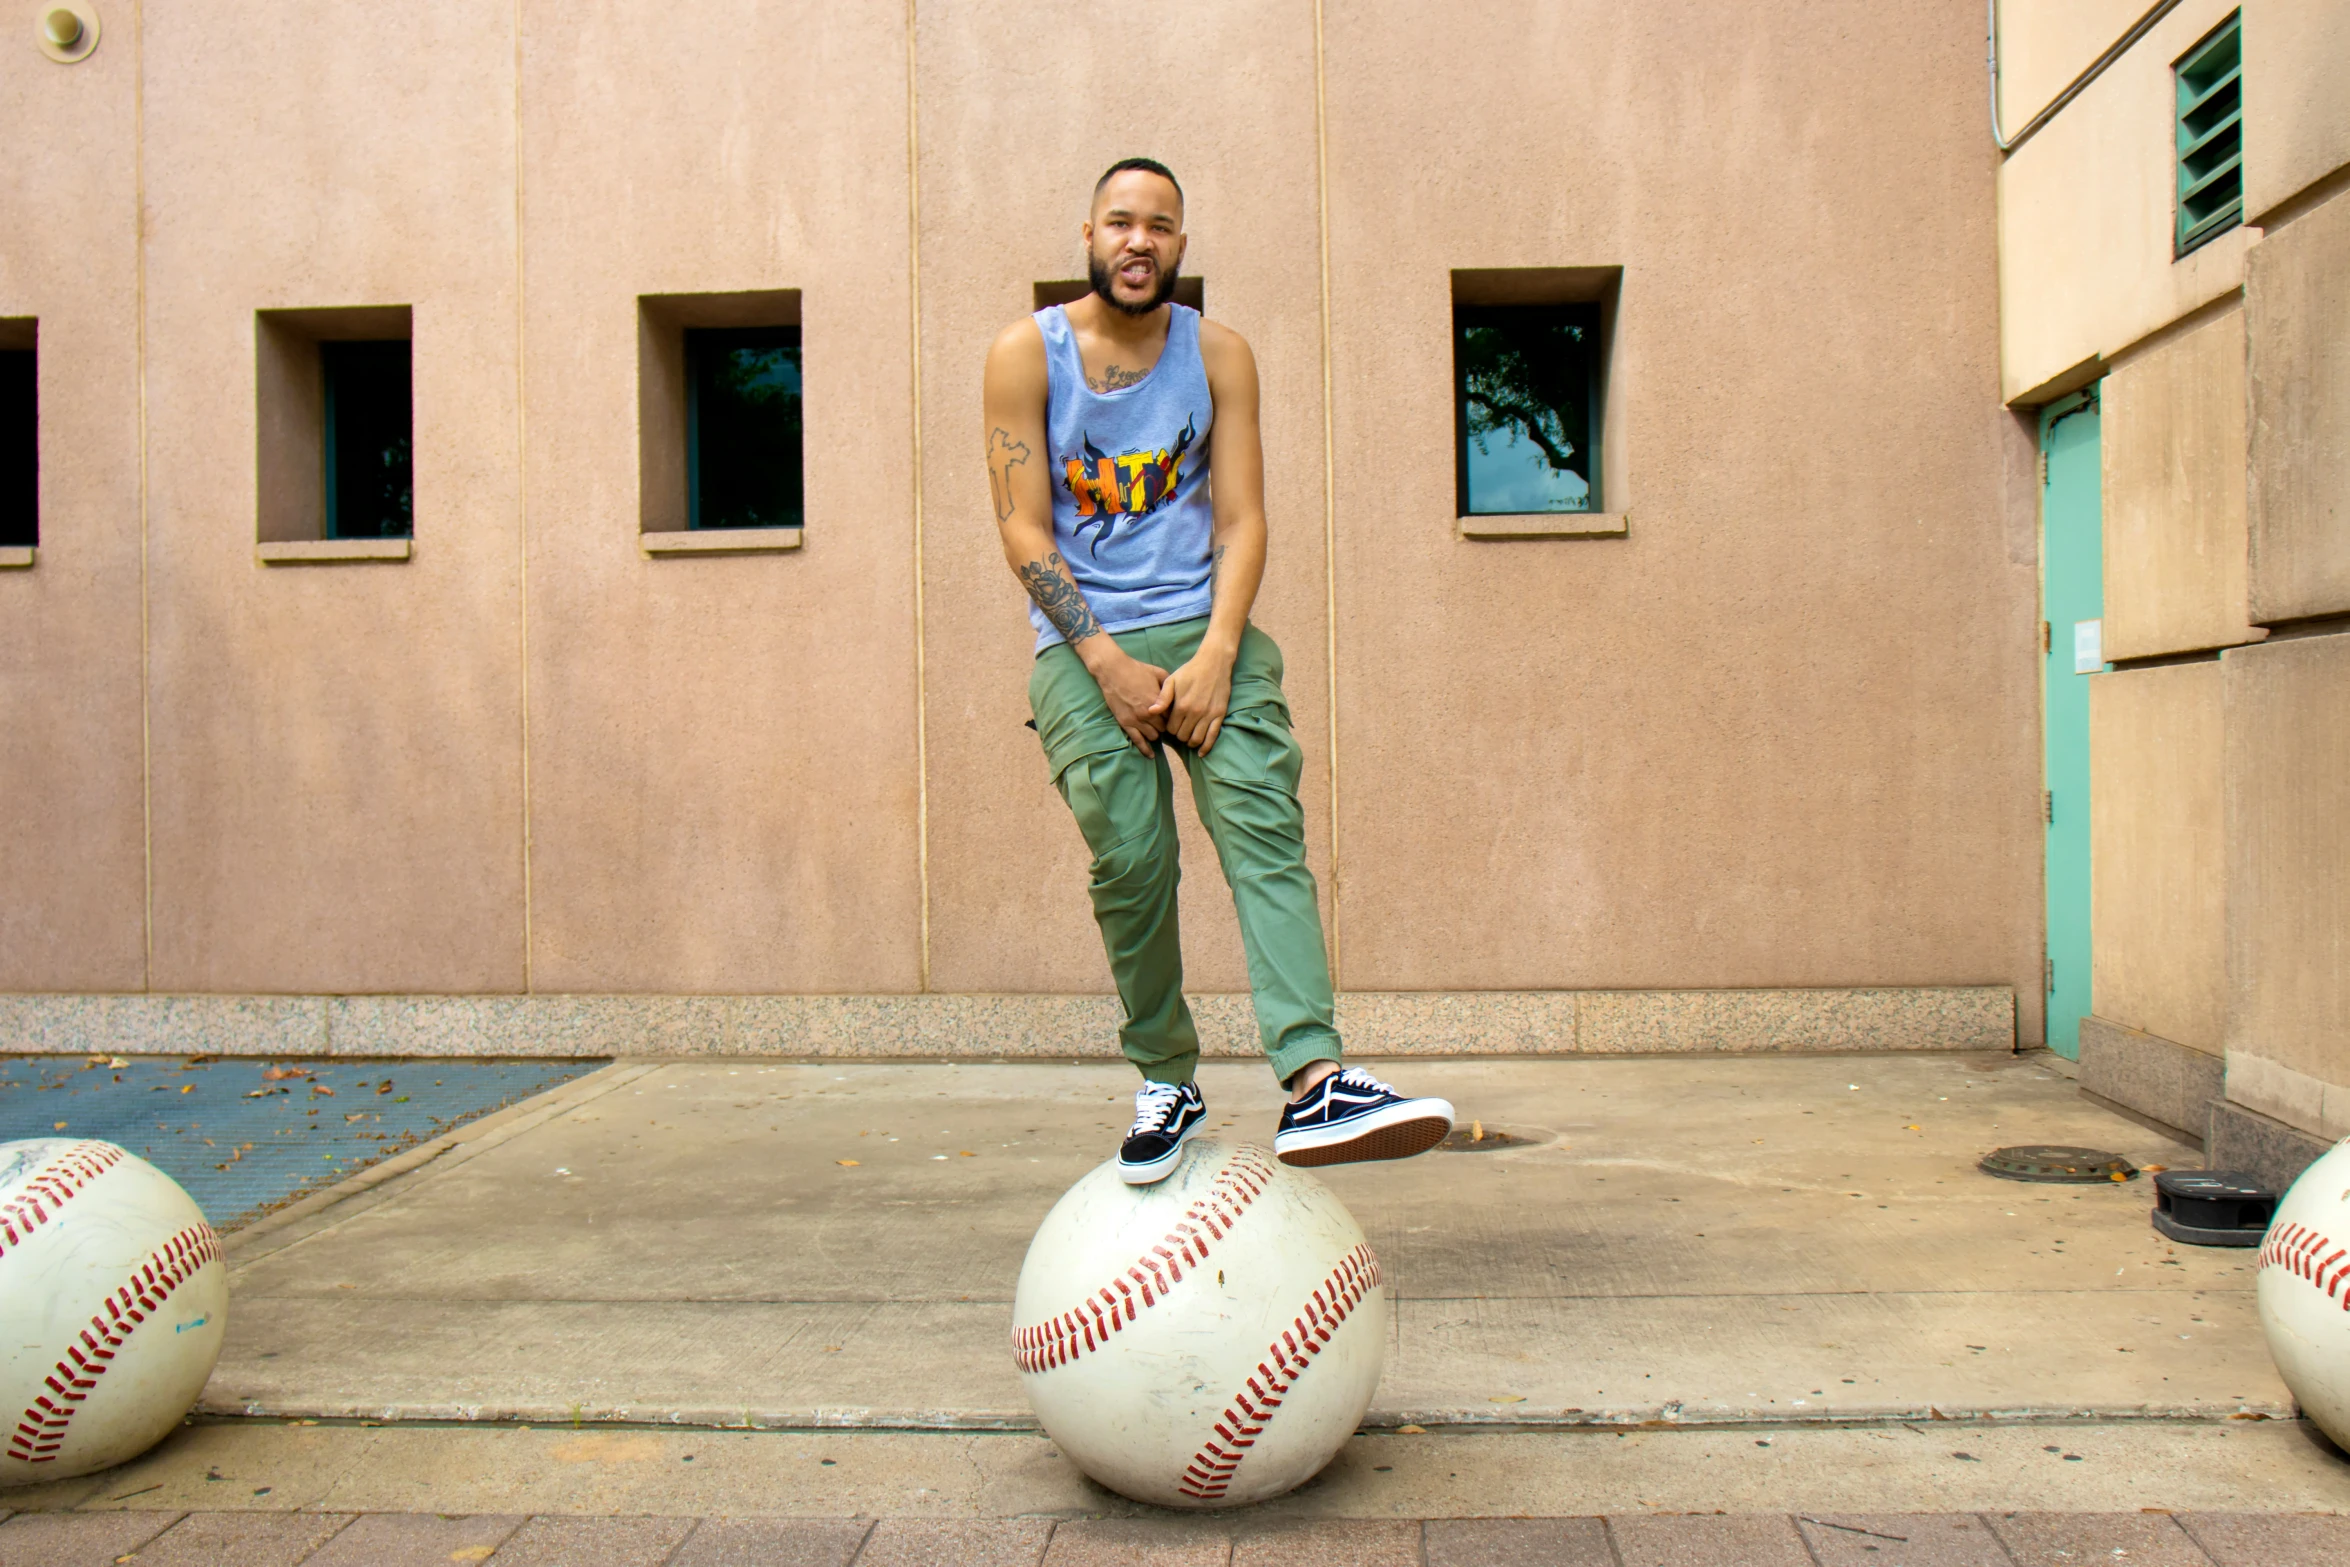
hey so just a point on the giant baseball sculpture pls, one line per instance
(1205, 1342)
(113, 1298)
(2304, 1289)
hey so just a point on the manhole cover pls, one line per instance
(2047, 1162)
(1477, 1137)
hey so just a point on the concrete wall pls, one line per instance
(2173, 452)
(1779, 733)
(72, 797)
(2044, 44)
(2288, 898)
(2297, 309)
(2158, 869)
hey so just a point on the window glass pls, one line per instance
(1526, 394)
(743, 427)
(20, 482)
(369, 465)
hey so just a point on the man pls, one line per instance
(1101, 418)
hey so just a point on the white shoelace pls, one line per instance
(1356, 1077)
(1153, 1103)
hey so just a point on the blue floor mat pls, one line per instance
(246, 1135)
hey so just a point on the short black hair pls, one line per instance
(1147, 166)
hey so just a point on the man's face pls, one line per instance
(1134, 242)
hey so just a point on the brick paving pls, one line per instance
(303, 1539)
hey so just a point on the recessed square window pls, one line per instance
(2210, 131)
(743, 433)
(334, 419)
(369, 462)
(1526, 397)
(20, 438)
(721, 449)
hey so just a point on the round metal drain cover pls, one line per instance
(1480, 1138)
(2055, 1163)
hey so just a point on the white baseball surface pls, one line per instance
(2304, 1286)
(1205, 1342)
(113, 1298)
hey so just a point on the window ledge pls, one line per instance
(1546, 525)
(297, 552)
(16, 557)
(721, 541)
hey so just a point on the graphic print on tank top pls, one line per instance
(1132, 516)
(1131, 484)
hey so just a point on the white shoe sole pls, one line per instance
(1164, 1165)
(1397, 1132)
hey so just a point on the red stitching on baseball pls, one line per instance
(36, 1202)
(40, 1432)
(2309, 1254)
(1209, 1474)
(1084, 1328)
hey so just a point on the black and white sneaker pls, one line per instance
(1351, 1116)
(1165, 1116)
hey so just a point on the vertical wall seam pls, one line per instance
(914, 357)
(522, 504)
(146, 640)
(1329, 488)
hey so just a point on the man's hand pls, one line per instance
(1193, 700)
(1130, 686)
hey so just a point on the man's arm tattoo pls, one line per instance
(1216, 570)
(1113, 379)
(1048, 582)
(1003, 455)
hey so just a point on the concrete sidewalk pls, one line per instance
(1730, 1240)
(2010, 1539)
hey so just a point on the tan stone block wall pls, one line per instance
(2173, 444)
(2297, 315)
(2085, 221)
(724, 789)
(337, 750)
(2158, 871)
(2296, 113)
(2044, 44)
(1779, 733)
(2288, 856)
(72, 873)
(1730, 742)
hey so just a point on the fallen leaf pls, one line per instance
(278, 1074)
(1508, 1398)
(59, 1127)
(1411, 1430)
(472, 1553)
(1476, 1131)
(321, 1088)
(187, 1088)
(384, 1087)
(968, 1154)
(116, 1061)
(356, 1115)
(1913, 1127)
(846, 1163)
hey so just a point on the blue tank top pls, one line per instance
(1129, 471)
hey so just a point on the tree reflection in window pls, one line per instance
(743, 430)
(1526, 383)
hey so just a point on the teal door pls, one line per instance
(2072, 600)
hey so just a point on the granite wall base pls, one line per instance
(989, 1027)
(2159, 1078)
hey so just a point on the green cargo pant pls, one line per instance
(1245, 787)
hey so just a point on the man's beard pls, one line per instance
(1103, 276)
